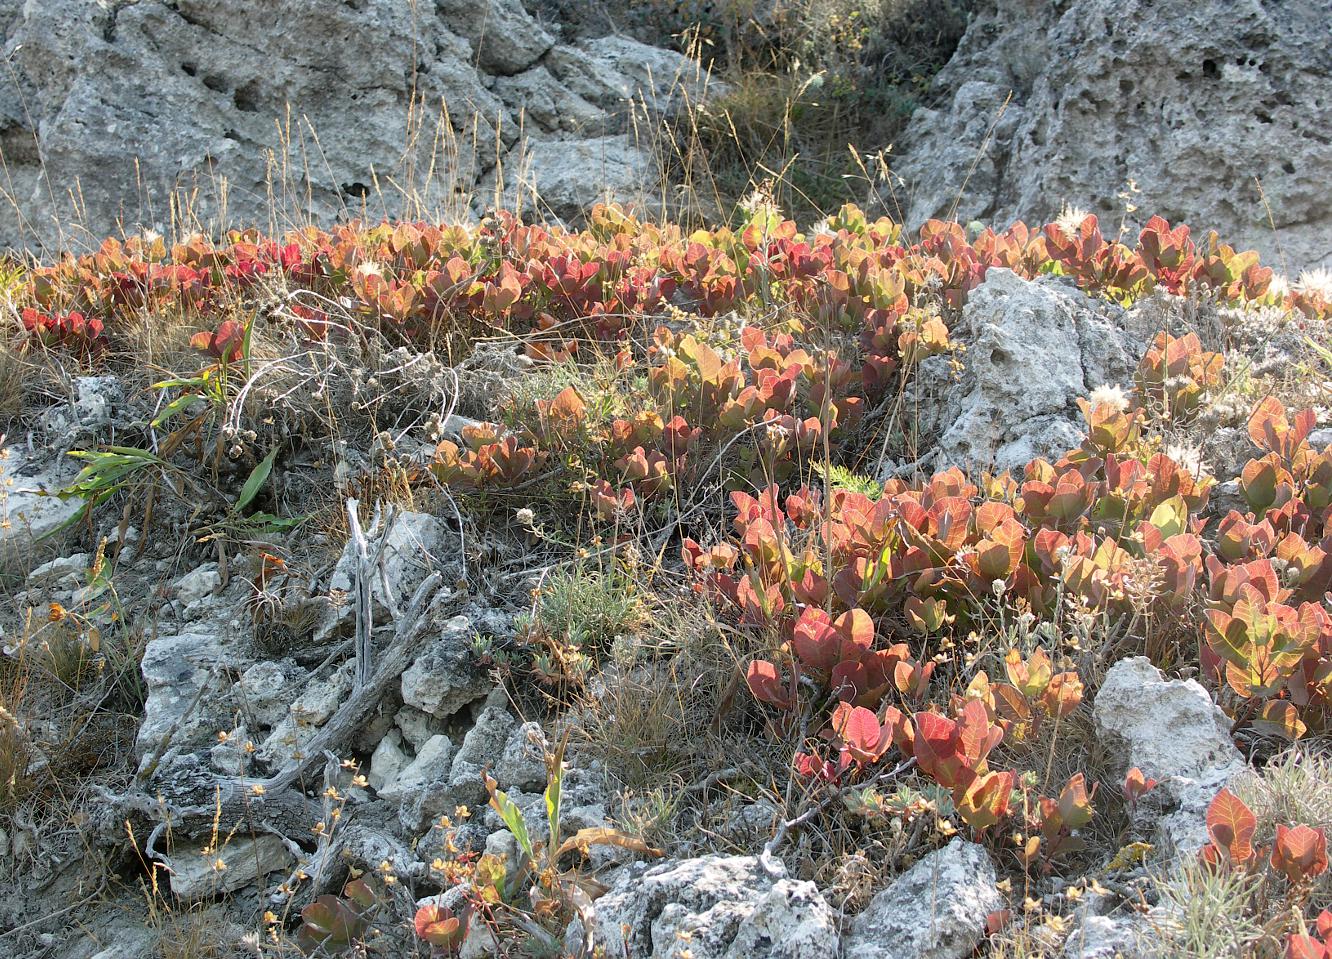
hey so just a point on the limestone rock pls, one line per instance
(64, 571)
(611, 72)
(1112, 937)
(416, 726)
(30, 515)
(129, 105)
(483, 745)
(432, 764)
(410, 547)
(445, 677)
(713, 907)
(387, 761)
(91, 408)
(935, 910)
(241, 861)
(184, 675)
(522, 765)
(197, 585)
(1047, 103)
(264, 692)
(564, 178)
(310, 710)
(1174, 733)
(506, 38)
(1033, 347)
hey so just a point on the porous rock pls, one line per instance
(387, 761)
(522, 764)
(30, 514)
(1173, 732)
(1214, 111)
(464, 784)
(197, 585)
(416, 726)
(311, 709)
(935, 910)
(1111, 937)
(432, 764)
(129, 105)
(263, 690)
(445, 677)
(410, 547)
(1033, 348)
(563, 178)
(61, 571)
(186, 702)
(713, 907)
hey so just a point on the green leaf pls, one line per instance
(513, 819)
(258, 476)
(554, 794)
(1171, 517)
(193, 381)
(178, 405)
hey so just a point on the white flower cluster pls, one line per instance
(1111, 395)
(1070, 221)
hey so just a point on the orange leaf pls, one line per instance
(1231, 825)
(1300, 853)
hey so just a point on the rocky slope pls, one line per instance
(1215, 112)
(123, 113)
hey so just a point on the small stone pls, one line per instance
(523, 763)
(63, 571)
(1106, 937)
(264, 692)
(311, 710)
(715, 907)
(935, 910)
(230, 756)
(1174, 733)
(30, 516)
(197, 585)
(482, 745)
(445, 678)
(387, 761)
(416, 725)
(240, 862)
(431, 765)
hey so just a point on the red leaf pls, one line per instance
(1299, 853)
(1231, 825)
(1305, 947)
(765, 682)
(1136, 785)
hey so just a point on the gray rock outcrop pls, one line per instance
(112, 111)
(1033, 348)
(935, 910)
(714, 907)
(1195, 103)
(1174, 733)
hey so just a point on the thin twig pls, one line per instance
(773, 866)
